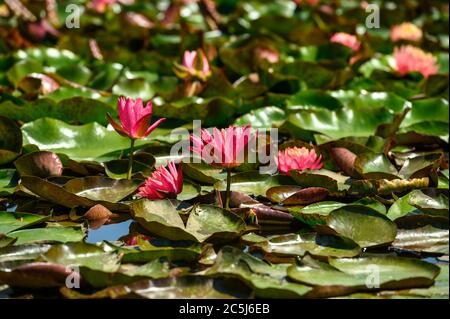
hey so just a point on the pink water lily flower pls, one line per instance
(412, 59)
(346, 39)
(195, 65)
(296, 158)
(223, 148)
(406, 31)
(164, 183)
(135, 119)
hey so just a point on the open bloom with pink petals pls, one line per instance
(412, 59)
(135, 119)
(195, 64)
(296, 158)
(164, 183)
(223, 148)
(346, 39)
(406, 31)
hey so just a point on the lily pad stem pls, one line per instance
(227, 193)
(130, 161)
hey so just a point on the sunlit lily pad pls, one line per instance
(204, 223)
(365, 226)
(268, 281)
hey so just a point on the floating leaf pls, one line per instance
(254, 183)
(48, 234)
(365, 226)
(182, 287)
(11, 141)
(77, 110)
(59, 195)
(306, 100)
(314, 244)
(347, 275)
(266, 280)
(427, 239)
(294, 195)
(7, 181)
(341, 122)
(319, 178)
(99, 188)
(204, 223)
(41, 164)
(10, 221)
(265, 117)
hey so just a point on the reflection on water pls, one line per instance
(109, 232)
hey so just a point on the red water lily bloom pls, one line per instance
(406, 31)
(164, 183)
(346, 39)
(296, 158)
(135, 119)
(411, 59)
(223, 148)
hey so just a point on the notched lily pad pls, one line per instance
(294, 195)
(364, 225)
(205, 222)
(267, 281)
(348, 275)
(318, 245)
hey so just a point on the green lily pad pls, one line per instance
(11, 141)
(315, 214)
(374, 166)
(7, 183)
(265, 117)
(77, 110)
(59, 195)
(211, 111)
(41, 164)
(314, 244)
(267, 281)
(364, 225)
(22, 252)
(203, 173)
(98, 188)
(10, 221)
(347, 275)
(254, 183)
(427, 239)
(295, 195)
(178, 287)
(205, 222)
(307, 100)
(320, 178)
(338, 123)
(82, 254)
(48, 234)
(146, 252)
